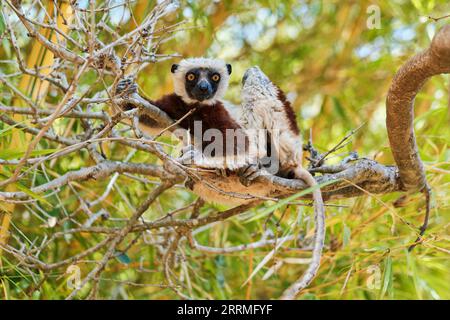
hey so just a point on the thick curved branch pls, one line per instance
(400, 107)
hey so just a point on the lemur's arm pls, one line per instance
(168, 104)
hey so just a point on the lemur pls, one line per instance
(265, 107)
(199, 83)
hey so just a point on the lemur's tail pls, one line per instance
(319, 237)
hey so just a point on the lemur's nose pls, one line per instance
(203, 86)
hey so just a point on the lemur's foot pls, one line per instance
(186, 158)
(187, 149)
(189, 184)
(222, 172)
(248, 174)
(126, 87)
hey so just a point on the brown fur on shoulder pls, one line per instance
(289, 112)
(211, 116)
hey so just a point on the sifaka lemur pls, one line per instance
(200, 84)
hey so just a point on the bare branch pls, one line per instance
(79, 51)
(96, 172)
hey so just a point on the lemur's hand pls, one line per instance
(249, 173)
(189, 155)
(126, 87)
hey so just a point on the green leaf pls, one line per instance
(339, 109)
(2, 24)
(8, 130)
(9, 154)
(412, 271)
(309, 296)
(387, 277)
(32, 194)
(7, 47)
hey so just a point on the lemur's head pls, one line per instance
(257, 86)
(201, 79)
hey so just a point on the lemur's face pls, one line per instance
(201, 80)
(202, 83)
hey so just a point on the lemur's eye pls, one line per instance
(191, 77)
(215, 77)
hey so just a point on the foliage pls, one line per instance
(337, 72)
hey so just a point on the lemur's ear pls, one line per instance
(174, 68)
(229, 68)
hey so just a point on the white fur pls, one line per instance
(196, 158)
(187, 64)
(263, 109)
(234, 110)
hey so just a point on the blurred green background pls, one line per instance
(337, 71)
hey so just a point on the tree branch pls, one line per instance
(400, 107)
(124, 55)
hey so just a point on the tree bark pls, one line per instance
(400, 107)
